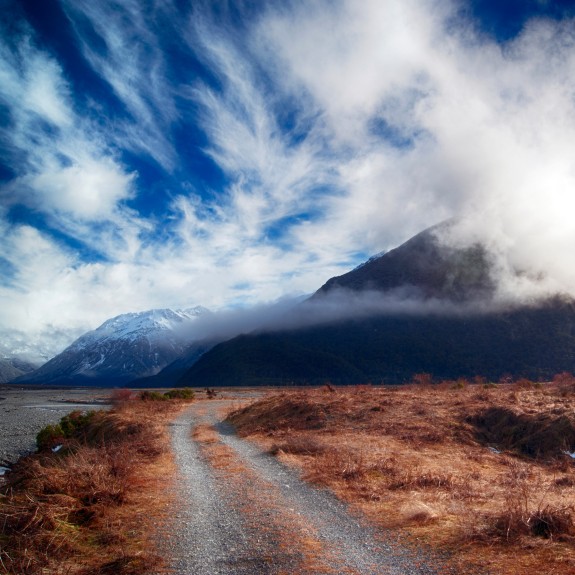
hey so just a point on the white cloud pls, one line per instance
(399, 121)
(89, 190)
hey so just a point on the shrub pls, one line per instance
(49, 436)
(75, 422)
(461, 383)
(152, 396)
(564, 378)
(524, 383)
(72, 425)
(181, 393)
(517, 520)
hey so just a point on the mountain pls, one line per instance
(423, 268)
(12, 367)
(389, 345)
(122, 349)
(175, 370)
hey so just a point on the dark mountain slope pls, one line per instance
(268, 359)
(174, 371)
(530, 341)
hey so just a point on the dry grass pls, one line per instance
(88, 509)
(477, 470)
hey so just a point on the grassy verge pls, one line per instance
(476, 470)
(89, 507)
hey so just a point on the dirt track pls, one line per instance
(241, 512)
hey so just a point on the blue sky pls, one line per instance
(167, 153)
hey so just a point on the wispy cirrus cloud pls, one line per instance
(124, 48)
(288, 143)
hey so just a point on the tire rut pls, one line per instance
(241, 511)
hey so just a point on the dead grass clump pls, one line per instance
(75, 511)
(565, 481)
(417, 479)
(299, 445)
(297, 412)
(422, 379)
(516, 522)
(340, 464)
(419, 513)
(354, 467)
(538, 435)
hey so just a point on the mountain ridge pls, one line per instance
(120, 350)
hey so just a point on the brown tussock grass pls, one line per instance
(416, 459)
(91, 508)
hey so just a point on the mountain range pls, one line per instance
(422, 307)
(122, 349)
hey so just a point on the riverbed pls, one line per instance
(24, 411)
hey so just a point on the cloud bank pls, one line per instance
(225, 156)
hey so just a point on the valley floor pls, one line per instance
(485, 473)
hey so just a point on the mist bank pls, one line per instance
(533, 342)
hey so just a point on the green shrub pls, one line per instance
(181, 393)
(152, 396)
(75, 421)
(70, 425)
(49, 436)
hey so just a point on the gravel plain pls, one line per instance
(256, 516)
(24, 411)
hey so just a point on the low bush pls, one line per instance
(414, 479)
(70, 426)
(152, 396)
(184, 393)
(299, 446)
(541, 435)
(120, 396)
(519, 521)
(49, 436)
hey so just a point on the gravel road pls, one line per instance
(240, 511)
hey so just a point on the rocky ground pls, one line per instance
(24, 411)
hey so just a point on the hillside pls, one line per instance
(11, 368)
(389, 344)
(531, 342)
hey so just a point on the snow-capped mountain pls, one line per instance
(123, 348)
(12, 367)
